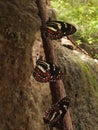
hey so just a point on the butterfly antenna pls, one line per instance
(77, 46)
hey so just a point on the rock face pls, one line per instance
(18, 23)
(22, 99)
(81, 81)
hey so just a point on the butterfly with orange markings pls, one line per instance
(47, 72)
(57, 29)
(56, 112)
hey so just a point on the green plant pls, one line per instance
(84, 15)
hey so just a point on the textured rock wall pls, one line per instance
(81, 83)
(19, 22)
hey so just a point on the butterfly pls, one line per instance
(56, 112)
(57, 29)
(47, 72)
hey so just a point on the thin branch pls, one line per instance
(57, 88)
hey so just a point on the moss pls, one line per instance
(89, 76)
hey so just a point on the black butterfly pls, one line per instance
(56, 112)
(47, 72)
(57, 29)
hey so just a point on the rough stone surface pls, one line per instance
(81, 81)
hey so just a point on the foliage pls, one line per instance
(83, 14)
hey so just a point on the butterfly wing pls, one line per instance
(41, 71)
(52, 116)
(53, 30)
(55, 72)
(63, 105)
(68, 29)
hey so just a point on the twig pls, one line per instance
(77, 46)
(57, 88)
